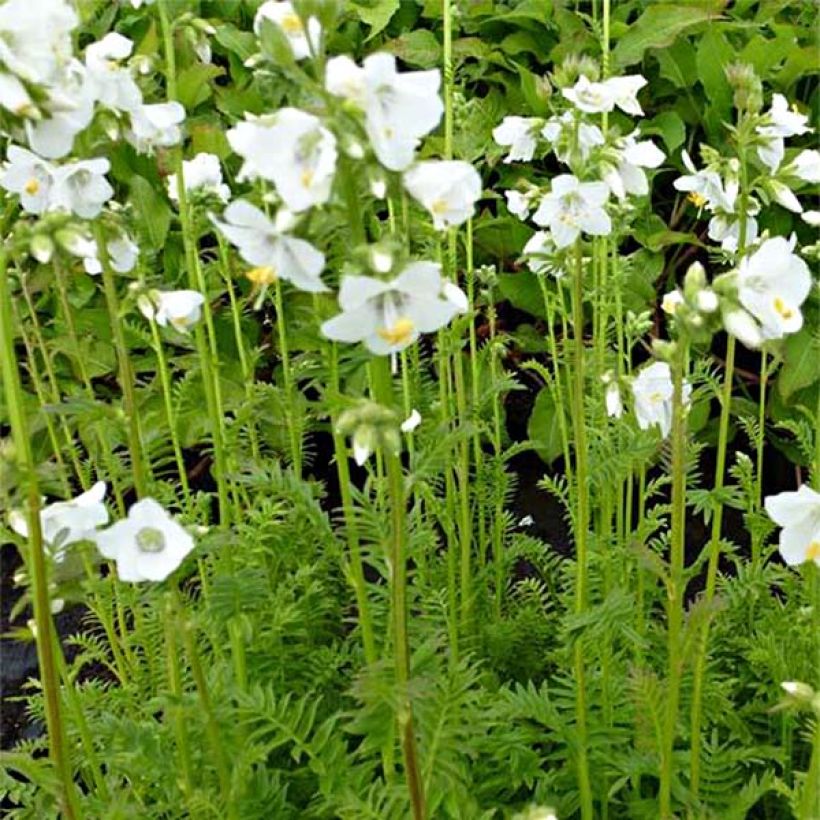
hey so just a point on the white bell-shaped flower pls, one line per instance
(282, 13)
(81, 187)
(628, 177)
(122, 255)
(148, 545)
(293, 150)
(573, 206)
(772, 284)
(202, 173)
(30, 177)
(181, 309)
(652, 390)
(66, 522)
(448, 189)
(155, 126)
(113, 85)
(390, 316)
(798, 513)
(521, 135)
(266, 245)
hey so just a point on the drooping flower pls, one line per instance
(518, 204)
(156, 125)
(400, 108)
(390, 316)
(572, 207)
(81, 187)
(539, 253)
(628, 177)
(148, 545)
(282, 14)
(70, 109)
(612, 396)
(798, 513)
(30, 177)
(448, 189)
(112, 84)
(652, 390)
(772, 284)
(181, 309)
(202, 173)
(267, 246)
(293, 150)
(122, 255)
(779, 122)
(66, 522)
(520, 134)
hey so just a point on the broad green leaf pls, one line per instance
(151, 213)
(241, 43)
(524, 292)
(376, 14)
(193, 86)
(657, 27)
(713, 55)
(544, 427)
(670, 127)
(417, 48)
(801, 367)
(677, 64)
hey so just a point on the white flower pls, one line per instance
(725, 227)
(14, 97)
(539, 253)
(122, 255)
(66, 522)
(399, 108)
(113, 85)
(70, 109)
(573, 206)
(266, 245)
(743, 327)
(798, 513)
(707, 301)
(518, 204)
(779, 122)
(148, 545)
(453, 294)
(81, 187)
(180, 308)
(628, 177)
(35, 38)
(202, 173)
(784, 196)
(526, 521)
(519, 133)
(604, 96)
(411, 422)
(155, 126)
(284, 15)
(812, 218)
(564, 133)
(389, 316)
(652, 390)
(705, 187)
(448, 189)
(612, 400)
(293, 150)
(772, 284)
(805, 166)
(672, 301)
(28, 176)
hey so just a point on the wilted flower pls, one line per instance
(798, 513)
(282, 14)
(520, 134)
(573, 206)
(181, 309)
(66, 522)
(390, 316)
(148, 545)
(202, 173)
(155, 126)
(778, 122)
(399, 108)
(652, 390)
(448, 189)
(293, 150)
(265, 244)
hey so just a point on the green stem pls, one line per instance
(498, 507)
(759, 448)
(126, 376)
(676, 583)
(35, 555)
(294, 430)
(581, 521)
(382, 384)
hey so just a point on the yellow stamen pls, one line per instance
(292, 25)
(698, 200)
(32, 186)
(781, 308)
(439, 206)
(306, 179)
(261, 276)
(813, 551)
(181, 323)
(400, 333)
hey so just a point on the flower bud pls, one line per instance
(799, 691)
(694, 281)
(664, 350)
(41, 248)
(748, 91)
